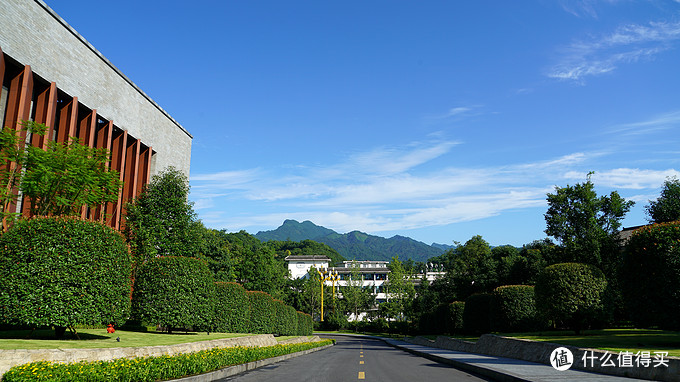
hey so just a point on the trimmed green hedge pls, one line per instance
(513, 309)
(455, 317)
(63, 271)
(477, 313)
(570, 294)
(262, 312)
(651, 276)
(174, 292)
(232, 308)
(152, 368)
(305, 324)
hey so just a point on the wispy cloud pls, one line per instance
(626, 178)
(628, 44)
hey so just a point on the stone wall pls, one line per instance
(33, 34)
(540, 352)
(9, 358)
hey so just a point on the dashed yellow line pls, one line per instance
(361, 362)
(362, 375)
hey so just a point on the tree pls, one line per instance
(355, 298)
(586, 225)
(667, 207)
(473, 269)
(59, 180)
(215, 248)
(161, 221)
(571, 293)
(400, 291)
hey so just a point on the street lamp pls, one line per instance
(324, 275)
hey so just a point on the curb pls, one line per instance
(242, 368)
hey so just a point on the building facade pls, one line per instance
(50, 74)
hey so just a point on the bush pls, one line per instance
(174, 292)
(232, 308)
(63, 272)
(455, 317)
(285, 319)
(262, 312)
(513, 309)
(152, 368)
(570, 293)
(651, 276)
(476, 314)
(305, 324)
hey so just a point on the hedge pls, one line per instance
(174, 292)
(151, 368)
(513, 309)
(476, 314)
(63, 271)
(455, 316)
(232, 308)
(651, 276)
(305, 324)
(570, 293)
(262, 312)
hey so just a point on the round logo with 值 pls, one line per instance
(561, 359)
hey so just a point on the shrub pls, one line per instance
(513, 309)
(305, 324)
(570, 293)
(262, 312)
(63, 272)
(455, 316)
(149, 369)
(476, 314)
(285, 319)
(232, 308)
(174, 292)
(651, 276)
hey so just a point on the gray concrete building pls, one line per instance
(52, 75)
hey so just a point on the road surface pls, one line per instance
(356, 359)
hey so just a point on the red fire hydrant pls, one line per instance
(110, 329)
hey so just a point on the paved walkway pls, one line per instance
(503, 369)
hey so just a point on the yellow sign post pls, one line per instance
(325, 276)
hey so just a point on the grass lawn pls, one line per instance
(99, 338)
(614, 340)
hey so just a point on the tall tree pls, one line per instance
(667, 207)
(161, 221)
(400, 291)
(585, 224)
(355, 298)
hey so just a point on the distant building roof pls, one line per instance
(626, 233)
(307, 258)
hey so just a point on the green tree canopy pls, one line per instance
(161, 221)
(586, 224)
(666, 208)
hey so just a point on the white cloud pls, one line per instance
(628, 44)
(627, 178)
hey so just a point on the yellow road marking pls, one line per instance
(361, 352)
(361, 356)
(361, 362)
(362, 375)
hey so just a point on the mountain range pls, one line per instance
(355, 245)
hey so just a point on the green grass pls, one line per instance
(99, 338)
(614, 340)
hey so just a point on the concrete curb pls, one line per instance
(237, 369)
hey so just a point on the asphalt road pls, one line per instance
(356, 359)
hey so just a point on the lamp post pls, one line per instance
(324, 275)
(334, 276)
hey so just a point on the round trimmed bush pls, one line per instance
(651, 276)
(64, 271)
(570, 293)
(174, 292)
(262, 312)
(477, 312)
(513, 309)
(232, 308)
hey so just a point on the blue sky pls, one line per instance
(437, 120)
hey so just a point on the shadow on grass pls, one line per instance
(46, 334)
